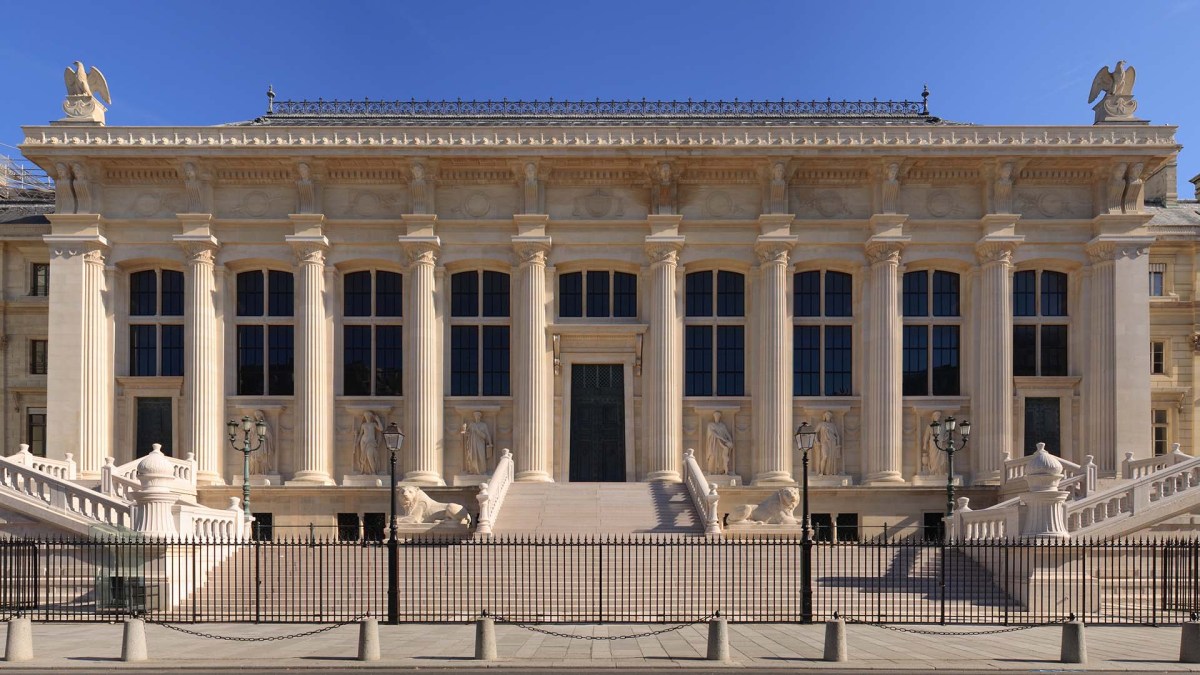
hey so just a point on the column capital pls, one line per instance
(531, 250)
(1105, 248)
(309, 248)
(420, 250)
(199, 248)
(885, 249)
(774, 249)
(997, 249)
(664, 249)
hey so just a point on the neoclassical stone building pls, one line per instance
(587, 284)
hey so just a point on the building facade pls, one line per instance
(595, 286)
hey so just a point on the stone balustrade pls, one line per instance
(998, 522)
(208, 524)
(62, 495)
(65, 469)
(491, 494)
(703, 494)
(1138, 468)
(1175, 475)
(1079, 479)
(184, 471)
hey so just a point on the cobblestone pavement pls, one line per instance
(90, 646)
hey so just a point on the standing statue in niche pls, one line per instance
(827, 450)
(477, 445)
(933, 460)
(1004, 189)
(262, 461)
(419, 190)
(891, 188)
(366, 444)
(718, 446)
(532, 189)
(665, 191)
(778, 188)
(307, 202)
(191, 181)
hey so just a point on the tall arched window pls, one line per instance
(931, 333)
(822, 352)
(479, 334)
(156, 323)
(372, 344)
(265, 333)
(715, 334)
(1039, 323)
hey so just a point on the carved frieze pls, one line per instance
(831, 202)
(143, 202)
(1053, 202)
(256, 202)
(720, 203)
(477, 202)
(940, 203)
(596, 203)
(366, 202)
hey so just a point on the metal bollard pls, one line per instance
(835, 639)
(718, 638)
(1189, 643)
(485, 638)
(1074, 648)
(133, 646)
(19, 645)
(368, 640)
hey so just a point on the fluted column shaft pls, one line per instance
(662, 386)
(531, 367)
(1102, 362)
(423, 369)
(773, 392)
(992, 410)
(202, 372)
(883, 400)
(95, 417)
(313, 373)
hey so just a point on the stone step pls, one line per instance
(597, 508)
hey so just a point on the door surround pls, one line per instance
(562, 463)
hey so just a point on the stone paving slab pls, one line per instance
(68, 646)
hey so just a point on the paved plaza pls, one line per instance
(759, 646)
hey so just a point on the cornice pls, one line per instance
(83, 140)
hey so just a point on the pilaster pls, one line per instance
(992, 406)
(773, 385)
(532, 360)
(662, 381)
(423, 443)
(883, 392)
(202, 395)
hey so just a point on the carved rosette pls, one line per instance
(884, 252)
(531, 253)
(995, 252)
(663, 253)
(421, 254)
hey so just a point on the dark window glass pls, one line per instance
(264, 527)
(280, 360)
(464, 294)
(249, 360)
(945, 361)
(356, 360)
(356, 294)
(1054, 350)
(1054, 294)
(731, 361)
(280, 289)
(495, 361)
(806, 361)
(570, 294)
(945, 294)
(143, 351)
(822, 525)
(495, 294)
(838, 360)
(838, 294)
(731, 294)
(39, 279)
(1024, 350)
(347, 526)
(624, 295)
(373, 526)
(143, 293)
(698, 361)
(464, 360)
(389, 294)
(916, 293)
(597, 294)
(807, 301)
(38, 354)
(35, 433)
(700, 294)
(172, 350)
(250, 293)
(172, 293)
(389, 361)
(916, 360)
(1025, 293)
(847, 527)
(1156, 284)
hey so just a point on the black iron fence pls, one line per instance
(610, 579)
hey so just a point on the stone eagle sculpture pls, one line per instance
(83, 87)
(1117, 85)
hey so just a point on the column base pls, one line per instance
(533, 477)
(311, 478)
(422, 478)
(665, 476)
(773, 478)
(989, 478)
(209, 479)
(884, 478)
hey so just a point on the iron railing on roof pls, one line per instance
(19, 177)
(642, 109)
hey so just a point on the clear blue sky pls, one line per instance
(986, 62)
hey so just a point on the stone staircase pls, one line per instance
(597, 509)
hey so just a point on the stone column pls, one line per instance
(531, 368)
(423, 365)
(314, 359)
(883, 393)
(773, 389)
(991, 410)
(202, 355)
(80, 383)
(662, 382)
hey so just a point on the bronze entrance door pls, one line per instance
(1042, 425)
(597, 423)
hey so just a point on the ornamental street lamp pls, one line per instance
(943, 438)
(806, 437)
(247, 426)
(393, 438)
